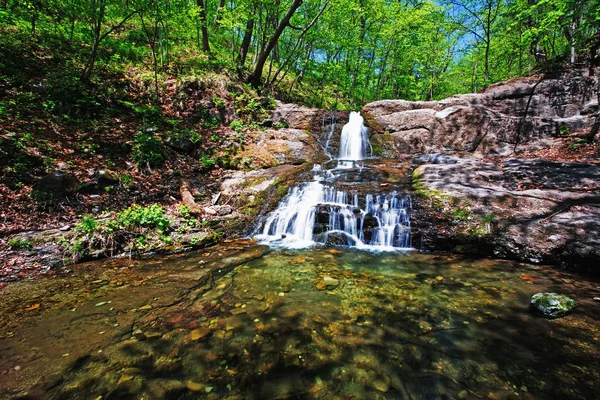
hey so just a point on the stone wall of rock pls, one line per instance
(531, 210)
(521, 113)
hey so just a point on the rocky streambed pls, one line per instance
(242, 321)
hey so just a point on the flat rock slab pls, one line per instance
(543, 211)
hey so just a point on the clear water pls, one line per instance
(318, 323)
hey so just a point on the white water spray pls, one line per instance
(354, 142)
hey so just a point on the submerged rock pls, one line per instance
(553, 305)
(327, 283)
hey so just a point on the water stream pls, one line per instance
(313, 324)
(318, 212)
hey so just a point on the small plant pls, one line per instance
(237, 125)
(576, 144)
(126, 179)
(214, 138)
(218, 101)
(564, 129)
(489, 218)
(461, 214)
(185, 211)
(207, 162)
(19, 244)
(144, 217)
(88, 225)
(147, 149)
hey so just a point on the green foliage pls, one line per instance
(237, 125)
(88, 225)
(138, 217)
(147, 149)
(19, 244)
(207, 162)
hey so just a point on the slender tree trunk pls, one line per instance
(87, 71)
(255, 78)
(203, 27)
(220, 8)
(243, 53)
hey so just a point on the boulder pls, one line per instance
(522, 113)
(57, 185)
(106, 177)
(532, 210)
(552, 305)
(180, 145)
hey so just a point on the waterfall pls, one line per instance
(317, 212)
(354, 141)
(313, 213)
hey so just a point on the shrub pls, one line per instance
(147, 149)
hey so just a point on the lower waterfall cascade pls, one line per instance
(318, 212)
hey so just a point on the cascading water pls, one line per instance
(354, 142)
(319, 213)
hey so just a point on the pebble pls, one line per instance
(199, 333)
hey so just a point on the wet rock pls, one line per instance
(194, 386)
(200, 333)
(56, 185)
(379, 382)
(327, 283)
(125, 389)
(165, 388)
(553, 305)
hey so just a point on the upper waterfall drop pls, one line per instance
(354, 142)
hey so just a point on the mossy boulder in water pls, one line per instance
(553, 305)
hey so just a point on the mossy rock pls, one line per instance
(552, 305)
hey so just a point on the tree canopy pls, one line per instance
(328, 53)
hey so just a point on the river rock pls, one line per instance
(327, 283)
(553, 305)
(199, 334)
(522, 113)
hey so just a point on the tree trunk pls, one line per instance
(87, 71)
(255, 78)
(245, 43)
(203, 27)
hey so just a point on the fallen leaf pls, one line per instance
(33, 307)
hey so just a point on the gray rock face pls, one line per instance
(523, 113)
(543, 211)
(552, 305)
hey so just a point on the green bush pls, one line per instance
(147, 149)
